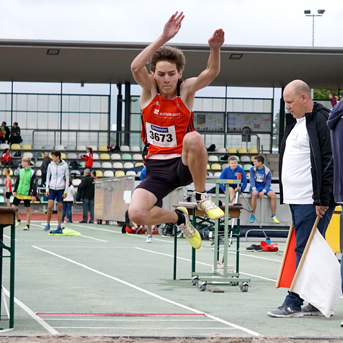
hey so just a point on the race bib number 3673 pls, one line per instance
(164, 137)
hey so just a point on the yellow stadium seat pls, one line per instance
(105, 157)
(63, 156)
(26, 147)
(242, 151)
(119, 173)
(208, 167)
(15, 146)
(216, 166)
(99, 173)
(253, 151)
(102, 148)
(252, 158)
(138, 164)
(232, 150)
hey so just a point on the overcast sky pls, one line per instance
(246, 22)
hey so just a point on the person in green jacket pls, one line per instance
(25, 189)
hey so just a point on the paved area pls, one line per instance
(108, 283)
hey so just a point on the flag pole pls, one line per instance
(304, 253)
(291, 228)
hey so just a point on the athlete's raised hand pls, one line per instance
(217, 39)
(172, 26)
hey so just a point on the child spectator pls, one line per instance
(232, 173)
(260, 182)
(8, 186)
(25, 189)
(88, 158)
(93, 175)
(6, 158)
(68, 204)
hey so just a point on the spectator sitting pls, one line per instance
(6, 158)
(232, 173)
(4, 132)
(15, 134)
(260, 182)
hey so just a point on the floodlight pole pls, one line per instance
(308, 14)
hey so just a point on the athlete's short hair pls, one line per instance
(169, 54)
(259, 158)
(56, 153)
(233, 158)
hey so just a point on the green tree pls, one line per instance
(323, 93)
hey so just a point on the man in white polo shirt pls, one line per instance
(306, 178)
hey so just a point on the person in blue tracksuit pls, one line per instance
(232, 173)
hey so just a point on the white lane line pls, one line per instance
(144, 320)
(152, 294)
(96, 239)
(204, 264)
(33, 315)
(254, 256)
(126, 328)
(8, 238)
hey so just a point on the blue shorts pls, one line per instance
(56, 194)
(260, 189)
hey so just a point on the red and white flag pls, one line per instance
(318, 278)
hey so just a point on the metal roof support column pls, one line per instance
(127, 127)
(119, 114)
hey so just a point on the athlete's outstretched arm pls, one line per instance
(139, 71)
(194, 84)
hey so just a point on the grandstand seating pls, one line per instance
(245, 159)
(119, 173)
(72, 156)
(216, 166)
(128, 165)
(95, 156)
(102, 148)
(208, 167)
(4, 146)
(76, 173)
(104, 156)
(15, 146)
(28, 154)
(126, 157)
(63, 156)
(106, 165)
(242, 150)
(93, 147)
(76, 182)
(96, 165)
(231, 150)
(247, 167)
(221, 151)
(135, 148)
(108, 173)
(48, 147)
(213, 158)
(38, 164)
(130, 173)
(26, 147)
(137, 157)
(81, 148)
(38, 173)
(118, 165)
(217, 174)
(253, 151)
(37, 147)
(70, 147)
(116, 157)
(138, 164)
(59, 147)
(82, 164)
(99, 173)
(124, 148)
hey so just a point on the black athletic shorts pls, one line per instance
(17, 201)
(163, 176)
(8, 195)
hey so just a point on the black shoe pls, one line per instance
(83, 222)
(91, 222)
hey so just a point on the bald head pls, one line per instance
(297, 96)
(299, 87)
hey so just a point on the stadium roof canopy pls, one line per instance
(101, 62)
